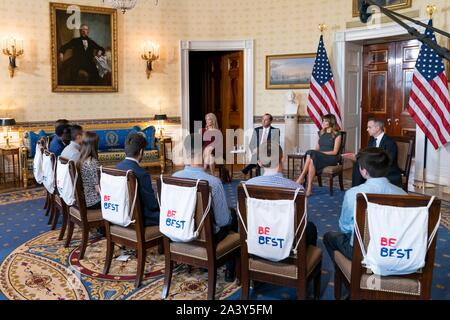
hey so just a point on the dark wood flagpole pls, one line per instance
(424, 163)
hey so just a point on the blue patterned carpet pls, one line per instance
(20, 222)
(22, 219)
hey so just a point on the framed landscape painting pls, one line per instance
(84, 48)
(390, 4)
(290, 71)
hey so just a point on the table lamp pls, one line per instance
(161, 118)
(7, 122)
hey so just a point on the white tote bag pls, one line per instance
(37, 165)
(178, 208)
(64, 183)
(270, 227)
(116, 199)
(48, 173)
(398, 238)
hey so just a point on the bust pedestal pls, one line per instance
(291, 133)
(291, 124)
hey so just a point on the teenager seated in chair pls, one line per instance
(135, 145)
(326, 152)
(87, 165)
(373, 166)
(72, 151)
(273, 177)
(61, 138)
(224, 220)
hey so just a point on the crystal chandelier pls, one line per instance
(124, 5)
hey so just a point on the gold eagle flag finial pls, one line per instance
(431, 9)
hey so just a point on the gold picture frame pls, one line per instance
(72, 69)
(289, 71)
(389, 4)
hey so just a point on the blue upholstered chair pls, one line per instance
(111, 147)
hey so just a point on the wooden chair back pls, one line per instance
(72, 172)
(270, 193)
(206, 238)
(357, 270)
(80, 202)
(52, 156)
(202, 252)
(405, 151)
(44, 142)
(133, 191)
(343, 144)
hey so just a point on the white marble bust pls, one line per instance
(291, 107)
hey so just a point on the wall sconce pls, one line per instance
(161, 118)
(151, 54)
(13, 49)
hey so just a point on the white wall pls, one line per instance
(438, 162)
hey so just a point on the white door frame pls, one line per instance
(227, 45)
(355, 36)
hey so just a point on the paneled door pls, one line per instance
(387, 80)
(407, 53)
(378, 85)
(232, 91)
(352, 104)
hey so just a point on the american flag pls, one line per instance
(429, 102)
(322, 98)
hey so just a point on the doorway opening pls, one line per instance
(245, 46)
(216, 85)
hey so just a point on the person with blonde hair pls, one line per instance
(208, 145)
(326, 152)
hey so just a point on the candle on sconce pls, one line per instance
(151, 54)
(12, 44)
(12, 48)
(20, 45)
(152, 49)
(157, 49)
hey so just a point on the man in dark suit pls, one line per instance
(82, 65)
(134, 148)
(265, 133)
(379, 139)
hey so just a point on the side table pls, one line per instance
(13, 152)
(168, 140)
(237, 153)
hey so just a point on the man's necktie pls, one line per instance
(264, 136)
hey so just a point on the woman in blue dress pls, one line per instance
(326, 152)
